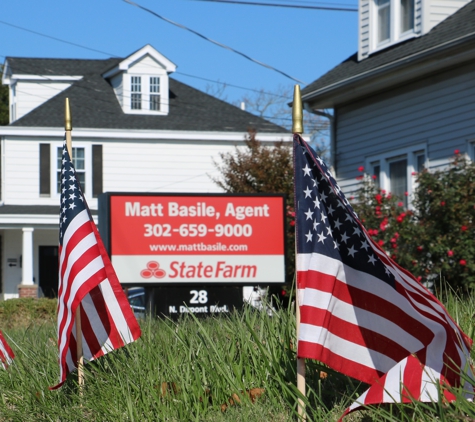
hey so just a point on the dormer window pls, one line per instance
(393, 21)
(136, 93)
(154, 93)
(140, 82)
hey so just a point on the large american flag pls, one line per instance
(6, 353)
(362, 314)
(87, 278)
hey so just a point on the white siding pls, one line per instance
(438, 112)
(31, 94)
(441, 9)
(130, 165)
(364, 29)
(20, 172)
(118, 86)
(146, 66)
(162, 167)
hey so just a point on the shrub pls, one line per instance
(436, 237)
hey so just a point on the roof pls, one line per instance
(455, 30)
(94, 104)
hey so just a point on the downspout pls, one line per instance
(331, 119)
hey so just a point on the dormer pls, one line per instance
(140, 82)
(384, 23)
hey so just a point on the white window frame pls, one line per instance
(87, 167)
(410, 154)
(471, 149)
(145, 92)
(395, 34)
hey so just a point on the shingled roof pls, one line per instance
(94, 104)
(454, 30)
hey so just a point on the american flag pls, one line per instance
(6, 353)
(362, 314)
(87, 278)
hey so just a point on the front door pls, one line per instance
(48, 270)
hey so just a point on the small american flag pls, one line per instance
(6, 353)
(362, 314)
(87, 278)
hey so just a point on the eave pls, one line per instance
(396, 73)
(137, 134)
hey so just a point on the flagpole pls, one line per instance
(297, 128)
(80, 358)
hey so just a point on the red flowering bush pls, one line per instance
(436, 238)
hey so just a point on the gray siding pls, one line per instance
(438, 112)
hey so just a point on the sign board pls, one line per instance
(199, 301)
(164, 239)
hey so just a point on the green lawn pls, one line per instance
(228, 368)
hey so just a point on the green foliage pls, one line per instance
(259, 168)
(4, 117)
(436, 238)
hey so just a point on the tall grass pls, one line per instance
(239, 367)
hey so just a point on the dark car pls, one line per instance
(136, 296)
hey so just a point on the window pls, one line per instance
(79, 161)
(136, 93)
(398, 179)
(407, 15)
(154, 93)
(393, 21)
(394, 171)
(384, 14)
(146, 94)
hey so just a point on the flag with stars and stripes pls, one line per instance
(87, 279)
(6, 353)
(362, 314)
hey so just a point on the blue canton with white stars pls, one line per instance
(326, 222)
(72, 198)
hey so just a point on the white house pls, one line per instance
(405, 100)
(135, 128)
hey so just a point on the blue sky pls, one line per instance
(302, 43)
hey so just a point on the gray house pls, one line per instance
(406, 99)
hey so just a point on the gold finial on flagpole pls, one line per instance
(297, 111)
(68, 126)
(67, 116)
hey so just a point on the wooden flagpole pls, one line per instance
(80, 358)
(297, 127)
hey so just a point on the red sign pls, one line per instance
(203, 238)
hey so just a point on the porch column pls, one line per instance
(27, 288)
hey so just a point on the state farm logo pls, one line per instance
(153, 270)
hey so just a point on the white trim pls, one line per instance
(395, 35)
(124, 65)
(87, 167)
(140, 134)
(49, 78)
(22, 220)
(410, 153)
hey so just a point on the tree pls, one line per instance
(4, 118)
(258, 168)
(274, 106)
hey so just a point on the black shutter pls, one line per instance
(96, 170)
(45, 170)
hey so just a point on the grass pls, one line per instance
(239, 367)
